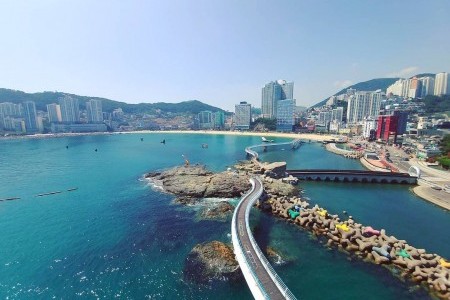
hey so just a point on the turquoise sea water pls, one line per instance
(116, 237)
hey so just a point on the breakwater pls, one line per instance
(346, 153)
(376, 246)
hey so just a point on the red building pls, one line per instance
(387, 126)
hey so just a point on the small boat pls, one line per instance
(204, 146)
(266, 140)
(163, 141)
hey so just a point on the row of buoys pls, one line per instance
(40, 195)
(57, 192)
(10, 198)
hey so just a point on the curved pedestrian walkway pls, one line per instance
(261, 278)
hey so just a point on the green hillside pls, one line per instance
(44, 98)
(370, 85)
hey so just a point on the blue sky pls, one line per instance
(219, 52)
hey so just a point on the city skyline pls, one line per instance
(218, 53)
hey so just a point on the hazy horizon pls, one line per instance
(216, 52)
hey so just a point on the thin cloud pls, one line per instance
(406, 72)
(342, 83)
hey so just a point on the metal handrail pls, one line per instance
(272, 273)
(234, 232)
(277, 280)
(255, 154)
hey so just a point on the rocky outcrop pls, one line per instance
(198, 182)
(211, 261)
(218, 212)
(275, 169)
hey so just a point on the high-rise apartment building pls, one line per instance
(94, 111)
(70, 111)
(10, 109)
(54, 113)
(205, 120)
(29, 113)
(442, 84)
(427, 86)
(337, 114)
(363, 105)
(324, 118)
(414, 88)
(243, 115)
(272, 92)
(219, 120)
(285, 115)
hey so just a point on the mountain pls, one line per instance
(370, 85)
(44, 98)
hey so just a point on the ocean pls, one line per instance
(117, 237)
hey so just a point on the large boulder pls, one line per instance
(275, 169)
(211, 261)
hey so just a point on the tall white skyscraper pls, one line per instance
(363, 105)
(54, 113)
(29, 113)
(243, 115)
(442, 84)
(94, 111)
(271, 93)
(70, 111)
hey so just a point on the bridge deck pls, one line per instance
(270, 288)
(347, 172)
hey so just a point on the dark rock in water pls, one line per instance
(152, 174)
(220, 211)
(186, 200)
(211, 261)
(277, 187)
(274, 256)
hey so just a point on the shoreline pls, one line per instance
(421, 193)
(433, 196)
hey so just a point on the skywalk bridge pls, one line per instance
(263, 281)
(252, 151)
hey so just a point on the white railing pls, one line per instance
(255, 285)
(250, 149)
(267, 266)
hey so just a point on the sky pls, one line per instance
(218, 52)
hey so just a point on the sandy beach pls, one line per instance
(305, 136)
